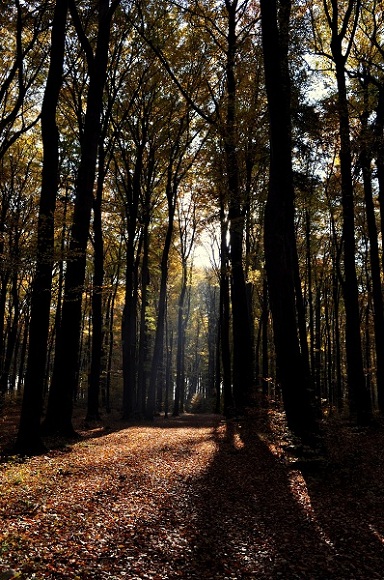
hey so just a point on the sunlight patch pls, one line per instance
(301, 495)
(377, 534)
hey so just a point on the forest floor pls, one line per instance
(193, 497)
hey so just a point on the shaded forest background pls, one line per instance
(137, 137)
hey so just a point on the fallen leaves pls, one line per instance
(192, 498)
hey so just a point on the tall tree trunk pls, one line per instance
(28, 439)
(143, 336)
(265, 346)
(4, 278)
(93, 413)
(379, 158)
(129, 323)
(157, 358)
(359, 398)
(64, 380)
(168, 369)
(378, 303)
(279, 239)
(241, 320)
(180, 371)
(12, 335)
(224, 318)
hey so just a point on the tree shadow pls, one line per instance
(218, 504)
(255, 519)
(348, 498)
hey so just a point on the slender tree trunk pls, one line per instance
(310, 289)
(129, 324)
(218, 389)
(241, 320)
(143, 339)
(12, 336)
(279, 239)
(228, 405)
(4, 277)
(168, 370)
(180, 371)
(378, 304)
(157, 359)
(379, 158)
(28, 439)
(64, 381)
(93, 412)
(374, 256)
(265, 346)
(337, 343)
(359, 398)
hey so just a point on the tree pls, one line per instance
(343, 27)
(222, 31)
(187, 231)
(279, 238)
(28, 439)
(21, 65)
(177, 164)
(59, 411)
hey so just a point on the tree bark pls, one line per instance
(28, 439)
(374, 257)
(129, 322)
(178, 406)
(157, 359)
(241, 319)
(359, 397)
(279, 238)
(224, 317)
(93, 412)
(64, 381)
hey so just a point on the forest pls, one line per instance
(192, 208)
(191, 272)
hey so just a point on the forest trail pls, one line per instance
(190, 498)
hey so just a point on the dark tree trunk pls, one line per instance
(128, 330)
(93, 412)
(178, 406)
(336, 293)
(359, 397)
(241, 319)
(28, 439)
(218, 369)
(228, 403)
(64, 381)
(129, 323)
(317, 358)
(310, 289)
(379, 158)
(212, 344)
(279, 238)
(157, 359)
(12, 336)
(143, 339)
(4, 277)
(168, 369)
(374, 255)
(265, 346)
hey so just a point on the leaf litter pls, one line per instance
(194, 497)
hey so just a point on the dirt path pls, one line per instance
(186, 498)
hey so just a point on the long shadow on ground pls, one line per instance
(255, 520)
(348, 499)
